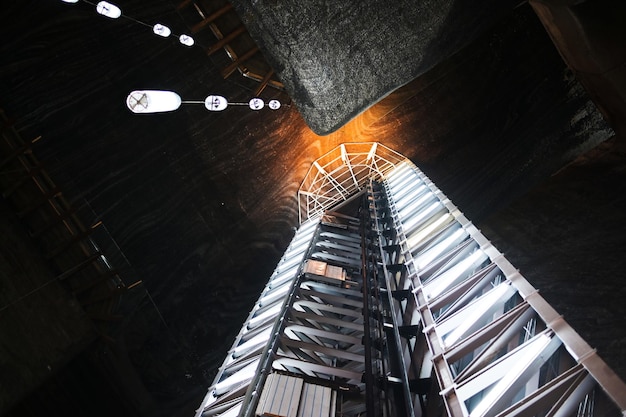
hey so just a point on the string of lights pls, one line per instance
(111, 11)
(157, 101)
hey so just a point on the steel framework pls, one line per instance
(403, 309)
(496, 347)
(342, 175)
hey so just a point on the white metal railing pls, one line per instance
(342, 174)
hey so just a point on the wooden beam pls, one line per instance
(68, 243)
(102, 297)
(30, 174)
(266, 79)
(25, 148)
(225, 40)
(226, 72)
(106, 317)
(183, 4)
(201, 25)
(55, 192)
(100, 279)
(57, 219)
(84, 264)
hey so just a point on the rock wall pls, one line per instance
(203, 204)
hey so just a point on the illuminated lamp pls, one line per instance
(426, 232)
(161, 30)
(431, 254)
(274, 104)
(477, 310)
(108, 10)
(186, 40)
(153, 101)
(256, 104)
(70, 1)
(159, 101)
(215, 103)
(414, 218)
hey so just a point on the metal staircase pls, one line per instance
(397, 305)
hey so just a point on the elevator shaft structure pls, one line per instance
(394, 304)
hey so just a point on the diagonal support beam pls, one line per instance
(340, 189)
(346, 160)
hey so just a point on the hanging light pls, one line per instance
(274, 104)
(215, 103)
(113, 12)
(109, 10)
(153, 101)
(158, 101)
(161, 30)
(256, 103)
(186, 40)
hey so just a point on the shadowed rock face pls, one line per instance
(566, 237)
(337, 58)
(203, 204)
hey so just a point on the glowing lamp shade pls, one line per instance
(108, 10)
(256, 104)
(161, 30)
(186, 40)
(153, 101)
(70, 1)
(215, 103)
(274, 104)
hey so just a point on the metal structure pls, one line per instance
(403, 308)
(342, 175)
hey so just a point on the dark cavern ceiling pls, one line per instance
(201, 205)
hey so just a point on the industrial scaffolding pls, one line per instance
(390, 302)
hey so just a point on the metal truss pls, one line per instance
(494, 345)
(302, 344)
(228, 390)
(406, 311)
(341, 175)
(319, 338)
